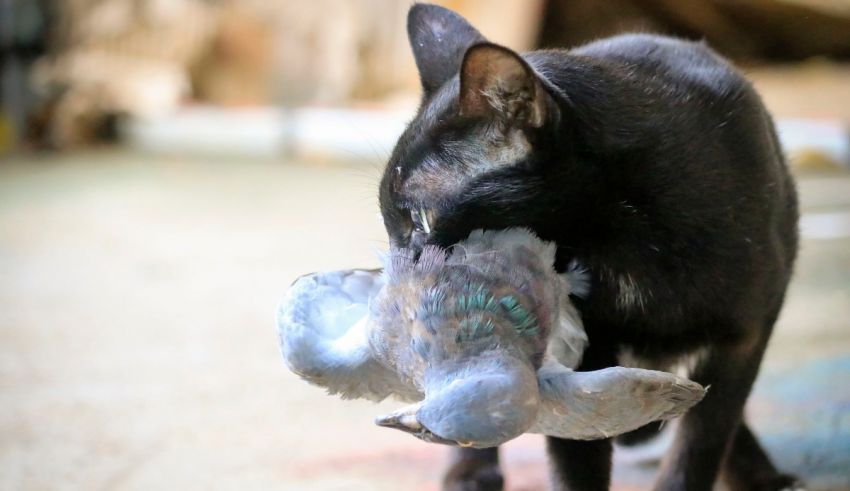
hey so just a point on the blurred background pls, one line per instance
(168, 167)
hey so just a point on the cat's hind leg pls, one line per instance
(748, 467)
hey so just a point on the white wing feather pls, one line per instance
(324, 336)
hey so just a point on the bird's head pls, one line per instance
(483, 404)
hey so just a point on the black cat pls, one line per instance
(655, 165)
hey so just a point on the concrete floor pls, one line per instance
(137, 346)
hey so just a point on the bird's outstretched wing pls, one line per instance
(606, 403)
(324, 335)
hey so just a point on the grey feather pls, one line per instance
(605, 403)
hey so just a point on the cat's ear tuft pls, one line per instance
(496, 82)
(439, 38)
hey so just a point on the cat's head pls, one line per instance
(470, 158)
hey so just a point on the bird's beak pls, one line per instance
(405, 420)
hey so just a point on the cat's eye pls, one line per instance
(421, 220)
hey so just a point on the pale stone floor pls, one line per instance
(137, 346)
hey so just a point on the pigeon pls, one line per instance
(482, 339)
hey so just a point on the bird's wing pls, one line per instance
(568, 340)
(323, 330)
(605, 403)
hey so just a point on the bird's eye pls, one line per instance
(421, 221)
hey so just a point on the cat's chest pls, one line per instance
(639, 298)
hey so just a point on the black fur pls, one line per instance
(659, 170)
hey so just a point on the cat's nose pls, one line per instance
(418, 239)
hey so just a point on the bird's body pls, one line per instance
(497, 293)
(485, 336)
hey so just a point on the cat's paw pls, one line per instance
(473, 476)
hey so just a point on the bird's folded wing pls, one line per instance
(605, 403)
(323, 331)
(567, 340)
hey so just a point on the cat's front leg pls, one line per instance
(584, 465)
(473, 469)
(579, 465)
(706, 432)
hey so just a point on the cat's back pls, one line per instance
(661, 97)
(677, 133)
(668, 60)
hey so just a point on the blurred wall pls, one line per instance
(746, 30)
(145, 57)
(109, 59)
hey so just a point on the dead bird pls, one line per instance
(484, 337)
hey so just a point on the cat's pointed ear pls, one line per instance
(496, 82)
(439, 38)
